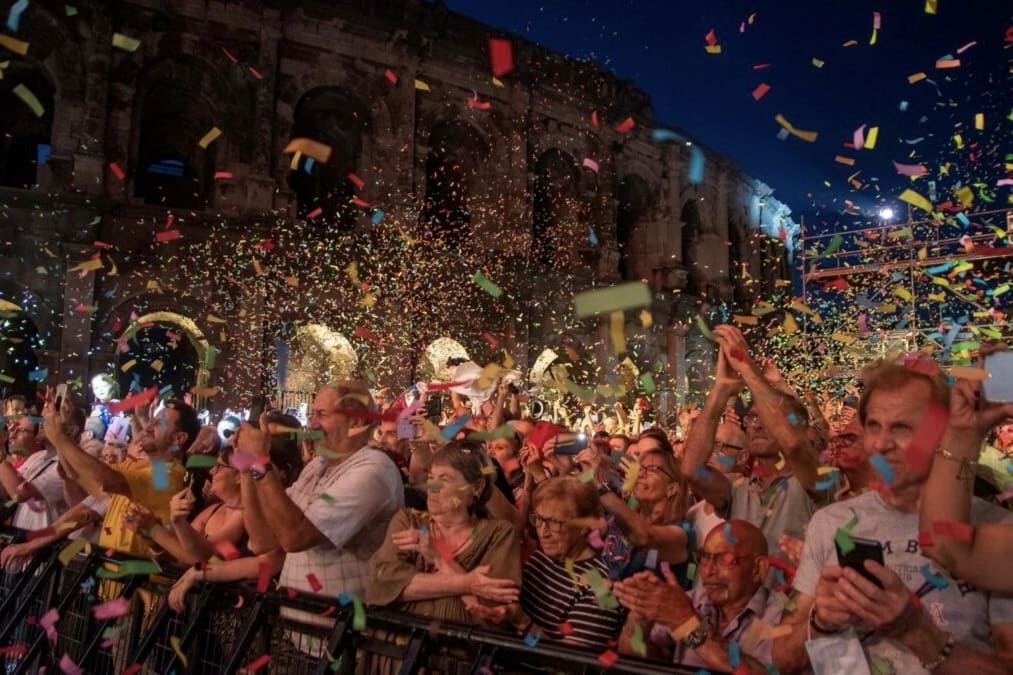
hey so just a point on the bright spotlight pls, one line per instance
(886, 213)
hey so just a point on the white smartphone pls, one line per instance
(998, 386)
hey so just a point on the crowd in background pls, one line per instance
(766, 529)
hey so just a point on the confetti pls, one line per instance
(125, 42)
(209, 137)
(176, 644)
(29, 99)
(630, 295)
(111, 610)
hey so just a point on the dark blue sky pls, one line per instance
(660, 45)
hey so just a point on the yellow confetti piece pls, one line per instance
(206, 392)
(128, 365)
(353, 272)
(979, 121)
(685, 629)
(209, 137)
(125, 42)
(617, 328)
(508, 361)
(71, 550)
(888, 308)
(497, 83)
(624, 296)
(176, 647)
(746, 320)
(258, 269)
(943, 64)
(848, 161)
(817, 62)
(13, 44)
(713, 49)
(965, 196)
(781, 463)
(959, 141)
(902, 293)
(422, 86)
(646, 320)
(940, 281)
(7, 378)
(871, 138)
(157, 365)
(631, 477)
(215, 319)
(1000, 289)
(923, 253)
(29, 99)
(789, 325)
(89, 265)
(799, 306)
(914, 199)
(844, 338)
(809, 136)
(307, 146)
(294, 164)
(931, 6)
(8, 306)
(917, 77)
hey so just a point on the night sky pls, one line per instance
(660, 45)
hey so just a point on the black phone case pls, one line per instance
(865, 549)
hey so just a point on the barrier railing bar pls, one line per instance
(131, 585)
(413, 653)
(22, 598)
(336, 645)
(246, 634)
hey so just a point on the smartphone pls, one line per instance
(407, 431)
(865, 549)
(998, 386)
(572, 444)
(190, 482)
(256, 409)
(61, 393)
(434, 409)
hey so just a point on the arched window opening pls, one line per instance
(172, 169)
(159, 354)
(24, 134)
(456, 151)
(634, 198)
(555, 205)
(338, 119)
(19, 338)
(314, 355)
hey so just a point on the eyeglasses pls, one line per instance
(551, 524)
(725, 560)
(727, 448)
(656, 469)
(844, 440)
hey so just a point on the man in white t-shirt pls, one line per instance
(36, 484)
(921, 620)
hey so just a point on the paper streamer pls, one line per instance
(485, 284)
(634, 294)
(883, 467)
(696, 165)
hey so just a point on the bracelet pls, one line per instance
(815, 625)
(951, 642)
(967, 466)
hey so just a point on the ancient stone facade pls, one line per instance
(553, 178)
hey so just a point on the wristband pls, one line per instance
(944, 654)
(815, 625)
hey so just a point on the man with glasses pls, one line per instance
(730, 606)
(846, 452)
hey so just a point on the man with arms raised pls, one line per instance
(917, 617)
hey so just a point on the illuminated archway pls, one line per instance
(163, 349)
(542, 363)
(317, 354)
(436, 356)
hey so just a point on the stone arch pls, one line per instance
(315, 355)
(163, 348)
(177, 101)
(456, 156)
(634, 202)
(25, 135)
(339, 119)
(19, 341)
(541, 366)
(556, 208)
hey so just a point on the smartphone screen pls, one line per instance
(61, 393)
(256, 409)
(865, 549)
(998, 387)
(570, 444)
(406, 430)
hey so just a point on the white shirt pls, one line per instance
(41, 470)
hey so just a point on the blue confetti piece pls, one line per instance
(652, 559)
(903, 106)
(591, 236)
(938, 581)
(793, 419)
(883, 467)
(727, 531)
(734, 654)
(531, 639)
(451, 430)
(827, 483)
(14, 18)
(344, 598)
(661, 135)
(779, 577)
(701, 472)
(725, 459)
(38, 375)
(159, 475)
(963, 220)
(36, 419)
(696, 165)
(308, 165)
(42, 153)
(377, 217)
(939, 269)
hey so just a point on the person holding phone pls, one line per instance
(904, 610)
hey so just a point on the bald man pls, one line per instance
(730, 605)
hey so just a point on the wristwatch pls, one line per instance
(258, 471)
(697, 637)
(605, 489)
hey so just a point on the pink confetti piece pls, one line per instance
(258, 663)
(48, 622)
(314, 582)
(626, 125)
(959, 531)
(111, 609)
(356, 181)
(391, 76)
(68, 667)
(117, 171)
(910, 169)
(170, 235)
(760, 91)
(590, 164)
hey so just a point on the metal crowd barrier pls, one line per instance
(230, 628)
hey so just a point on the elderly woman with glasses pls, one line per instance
(644, 527)
(444, 562)
(565, 595)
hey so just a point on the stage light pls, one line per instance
(885, 213)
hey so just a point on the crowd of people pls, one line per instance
(768, 529)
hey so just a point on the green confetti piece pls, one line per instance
(843, 535)
(327, 499)
(502, 431)
(70, 10)
(129, 568)
(358, 615)
(308, 434)
(600, 587)
(637, 641)
(587, 476)
(489, 287)
(210, 357)
(787, 604)
(704, 328)
(607, 300)
(201, 461)
(881, 666)
(647, 382)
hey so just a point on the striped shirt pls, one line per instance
(552, 598)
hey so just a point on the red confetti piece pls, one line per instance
(314, 582)
(255, 73)
(330, 611)
(475, 104)
(117, 171)
(626, 125)
(365, 334)
(355, 180)
(566, 628)
(266, 245)
(229, 55)
(223, 175)
(501, 56)
(493, 342)
(101, 244)
(737, 354)
(132, 401)
(925, 540)
(361, 202)
(761, 66)
(760, 91)
(263, 577)
(391, 76)
(711, 37)
(315, 213)
(258, 663)
(17, 651)
(959, 531)
(926, 438)
(291, 593)
(594, 118)
(442, 386)
(916, 601)
(170, 235)
(608, 658)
